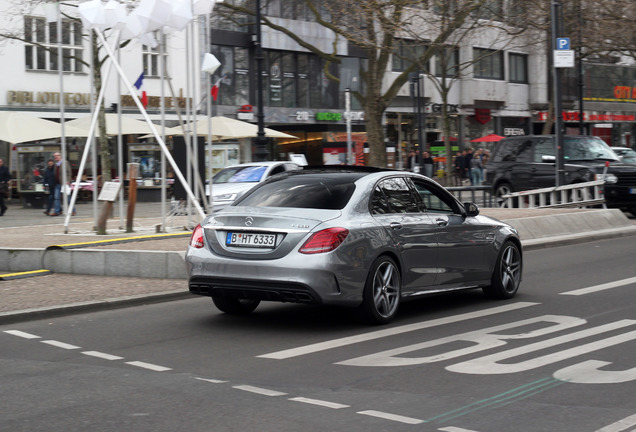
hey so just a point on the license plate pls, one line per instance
(632, 190)
(250, 239)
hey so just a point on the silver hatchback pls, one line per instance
(363, 238)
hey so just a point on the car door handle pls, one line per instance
(441, 222)
(396, 225)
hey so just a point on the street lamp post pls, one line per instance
(261, 153)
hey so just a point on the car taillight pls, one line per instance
(324, 241)
(196, 241)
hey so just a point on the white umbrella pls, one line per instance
(129, 126)
(16, 127)
(227, 128)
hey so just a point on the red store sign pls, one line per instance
(573, 116)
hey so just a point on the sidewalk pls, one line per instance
(130, 271)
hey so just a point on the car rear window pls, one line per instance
(302, 191)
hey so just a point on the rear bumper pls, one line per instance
(310, 280)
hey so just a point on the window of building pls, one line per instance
(151, 60)
(408, 52)
(518, 67)
(234, 87)
(289, 79)
(224, 19)
(490, 10)
(41, 48)
(488, 64)
(448, 59)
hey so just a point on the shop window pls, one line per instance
(41, 48)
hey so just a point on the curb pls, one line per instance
(94, 306)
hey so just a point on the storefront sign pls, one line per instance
(482, 115)
(437, 108)
(15, 97)
(513, 131)
(573, 116)
(624, 92)
(328, 116)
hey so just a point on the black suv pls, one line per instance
(529, 162)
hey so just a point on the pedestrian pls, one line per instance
(411, 160)
(5, 177)
(49, 185)
(59, 182)
(427, 163)
(458, 164)
(467, 158)
(476, 169)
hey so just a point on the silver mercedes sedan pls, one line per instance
(357, 237)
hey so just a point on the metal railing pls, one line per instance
(480, 195)
(574, 195)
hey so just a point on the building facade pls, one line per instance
(497, 87)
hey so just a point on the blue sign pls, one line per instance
(563, 43)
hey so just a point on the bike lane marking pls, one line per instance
(601, 287)
(336, 343)
(620, 425)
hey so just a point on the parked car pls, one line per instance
(349, 236)
(529, 162)
(233, 181)
(626, 154)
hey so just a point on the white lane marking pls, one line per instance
(319, 403)
(60, 344)
(322, 346)
(258, 390)
(392, 417)
(213, 381)
(22, 334)
(102, 355)
(455, 429)
(601, 287)
(150, 366)
(620, 425)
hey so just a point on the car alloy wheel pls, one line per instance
(507, 274)
(502, 189)
(382, 291)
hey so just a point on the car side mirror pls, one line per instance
(471, 208)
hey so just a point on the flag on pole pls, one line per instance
(215, 89)
(138, 85)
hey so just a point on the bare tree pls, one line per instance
(377, 29)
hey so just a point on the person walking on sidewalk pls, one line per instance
(48, 179)
(5, 176)
(476, 169)
(59, 182)
(427, 163)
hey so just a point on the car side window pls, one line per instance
(393, 195)
(433, 199)
(544, 147)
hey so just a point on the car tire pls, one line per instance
(235, 306)
(506, 275)
(501, 190)
(632, 210)
(382, 292)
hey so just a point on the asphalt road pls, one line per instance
(558, 357)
